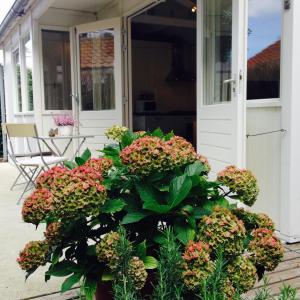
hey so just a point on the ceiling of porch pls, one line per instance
(79, 5)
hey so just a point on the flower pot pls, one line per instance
(65, 130)
(104, 292)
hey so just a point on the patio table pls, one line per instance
(51, 143)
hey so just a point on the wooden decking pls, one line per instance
(288, 272)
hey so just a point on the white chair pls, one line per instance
(29, 166)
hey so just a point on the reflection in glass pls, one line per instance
(97, 70)
(264, 40)
(57, 70)
(28, 64)
(217, 50)
(16, 58)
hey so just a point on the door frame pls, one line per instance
(239, 46)
(116, 24)
(127, 58)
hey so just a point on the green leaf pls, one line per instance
(184, 233)
(86, 155)
(56, 256)
(107, 275)
(179, 189)
(158, 133)
(89, 288)
(168, 136)
(63, 268)
(141, 250)
(209, 205)
(127, 138)
(159, 238)
(133, 217)
(70, 165)
(91, 250)
(149, 196)
(150, 262)
(199, 212)
(79, 161)
(195, 169)
(112, 206)
(70, 281)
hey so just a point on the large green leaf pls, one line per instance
(149, 196)
(70, 165)
(179, 189)
(141, 249)
(150, 262)
(86, 155)
(79, 161)
(112, 206)
(158, 133)
(127, 138)
(63, 268)
(70, 281)
(195, 169)
(133, 217)
(184, 233)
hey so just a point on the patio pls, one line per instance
(14, 233)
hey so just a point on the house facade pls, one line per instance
(222, 73)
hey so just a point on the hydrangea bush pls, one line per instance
(148, 182)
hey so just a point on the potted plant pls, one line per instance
(107, 219)
(65, 124)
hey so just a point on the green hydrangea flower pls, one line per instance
(240, 182)
(101, 165)
(37, 206)
(242, 274)
(116, 133)
(106, 249)
(228, 289)
(33, 255)
(182, 152)
(137, 272)
(146, 155)
(223, 229)
(254, 220)
(197, 264)
(266, 249)
(53, 233)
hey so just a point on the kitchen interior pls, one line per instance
(164, 68)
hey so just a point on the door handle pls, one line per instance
(232, 82)
(228, 81)
(75, 96)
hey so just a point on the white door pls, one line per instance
(221, 90)
(99, 80)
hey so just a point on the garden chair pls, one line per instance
(30, 153)
(29, 165)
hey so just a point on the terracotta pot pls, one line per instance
(104, 292)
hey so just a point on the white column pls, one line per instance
(290, 97)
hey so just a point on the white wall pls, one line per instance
(264, 157)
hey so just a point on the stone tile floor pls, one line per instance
(14, 233)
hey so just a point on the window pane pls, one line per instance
(97, 70)
(217, 51)
(57, 70)
(264, 37)
(28, 64)
(16, 58)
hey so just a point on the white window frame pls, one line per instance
(266, 102)
(25, 99)
(49, 112)
(15, 83)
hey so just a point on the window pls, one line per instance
(17, 71)
(97, 70)
(28, 74)
(217, 51)
(264, 39)
(57, 70)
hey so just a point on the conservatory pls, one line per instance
(221, 73)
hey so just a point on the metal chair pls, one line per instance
(32, 164)
(31, 153)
